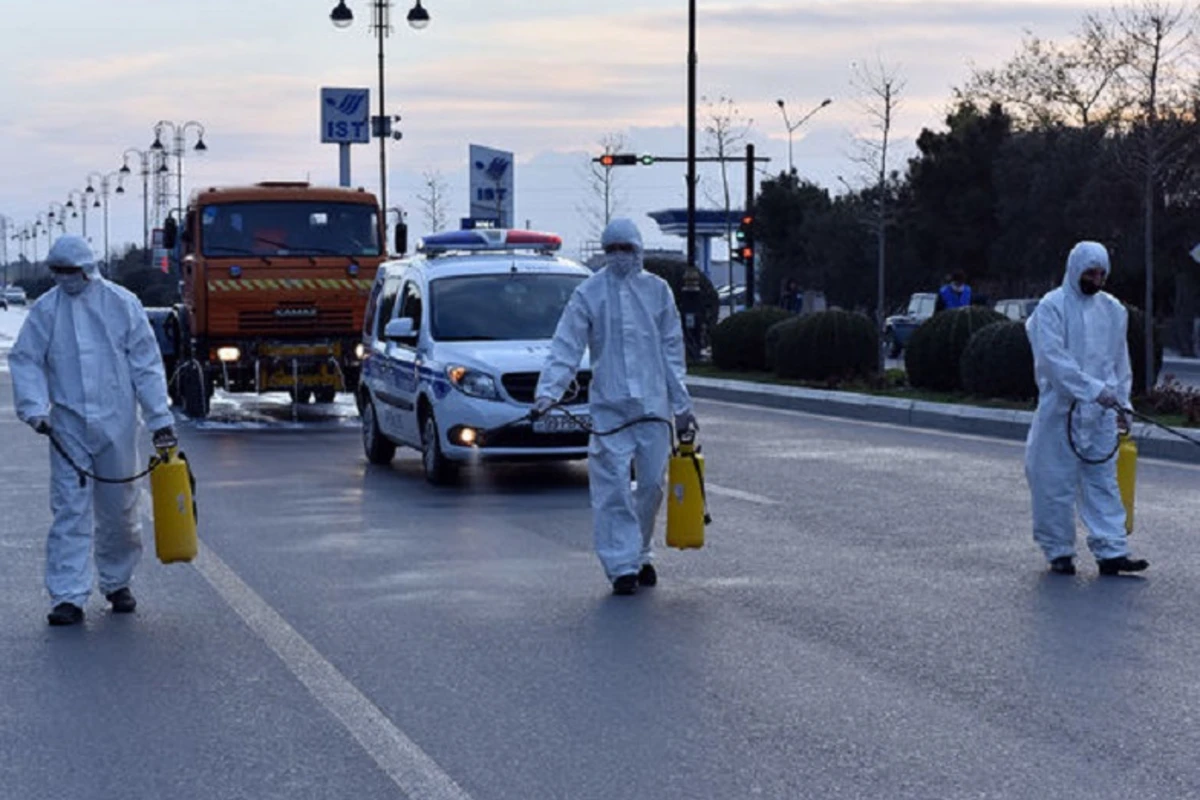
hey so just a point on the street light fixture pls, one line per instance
(418, 19)
(81, 208)
(105, 178)
(144, 171)
(179, 136)
(791, 128)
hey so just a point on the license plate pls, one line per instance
(561, 423)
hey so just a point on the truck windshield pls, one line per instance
(289, 229)
(513, 307)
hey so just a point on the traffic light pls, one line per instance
(743, 243)
(617, 160)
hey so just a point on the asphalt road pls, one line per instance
(869, 619)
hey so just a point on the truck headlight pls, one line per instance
(472, 382)
(359, 351)
(228, 354)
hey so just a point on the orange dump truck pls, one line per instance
(275, 279)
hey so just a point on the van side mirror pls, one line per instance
(170, 233)
(400, 330)
(401, 238)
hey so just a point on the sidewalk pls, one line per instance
(995, 422)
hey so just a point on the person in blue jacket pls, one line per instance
(955, 294)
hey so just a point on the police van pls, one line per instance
(454, 341)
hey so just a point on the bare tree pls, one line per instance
(433, 201)
(1157, 35)
(603, 198)
(1047, 84)
(880, 87)
(725, 130)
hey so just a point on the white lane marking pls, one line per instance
(416, 774)
(970, 437)
(738, 494)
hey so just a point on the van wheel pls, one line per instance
(301, 397)
(379, 448)
(192, 391)
(438, 469)
(325, 394)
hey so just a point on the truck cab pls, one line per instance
(274, 282)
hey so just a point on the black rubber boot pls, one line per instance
(1063, 565)
(1115, 566)
(122, 601)
(65, 614)
(625, 584)
(648, 576)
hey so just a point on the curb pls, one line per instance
(997, 423)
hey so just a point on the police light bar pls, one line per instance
(489, 240)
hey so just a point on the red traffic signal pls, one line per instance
(616, 159)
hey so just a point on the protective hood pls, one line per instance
(73, 251)
(621, 231)
(1084, 256)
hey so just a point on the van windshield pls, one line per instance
(507, 307)
(289, 229)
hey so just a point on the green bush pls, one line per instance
(739, 341)
(774, 333)
(1135, 336)
(998, 362)
(934, 353)
(826, 345)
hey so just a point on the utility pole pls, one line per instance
(748, 213)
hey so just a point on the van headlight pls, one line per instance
(472, 382)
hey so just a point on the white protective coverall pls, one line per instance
(1079, 352)
(86, 358)
(627, 320)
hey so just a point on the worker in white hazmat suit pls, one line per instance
(85, 359)
(1081, 357)
(627, 320)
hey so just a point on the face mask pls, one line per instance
(622, 264)
(71, 282)
(1087, 287)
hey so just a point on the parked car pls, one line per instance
(1018, 310)
(738, 294)
(898, 328)
(15, 295)
(454, 342)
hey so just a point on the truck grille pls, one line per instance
(296, 319)
(522, 385)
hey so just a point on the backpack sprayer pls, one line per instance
(173, 488)
(687, 500)
(1127, 454)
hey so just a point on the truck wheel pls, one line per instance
(325, 394)
(378, 448)
(439, 470)
(302, 397)
(192, 391)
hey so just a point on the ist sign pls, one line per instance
(345, 116)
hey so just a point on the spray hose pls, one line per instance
(685, 437)
(1129, 412)
(83, 474)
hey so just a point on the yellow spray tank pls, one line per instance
(1127, 455)
(173, 489)
(687, 504)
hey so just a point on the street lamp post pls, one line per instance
(104, 178)
(179, 135)
(418, 19)
(59, 216)
(4, 223)
(81, 209)
(791, 128)
(144, 160)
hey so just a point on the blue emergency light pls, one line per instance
(488, 240)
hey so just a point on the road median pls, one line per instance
(998, 423)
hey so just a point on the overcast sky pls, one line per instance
(82, 80)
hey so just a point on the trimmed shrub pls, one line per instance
(772, 339)
(934, 353)
(828, 345)
(739, 341)
(1135, 336)
(998, 362)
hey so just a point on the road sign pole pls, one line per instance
(344, 164)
